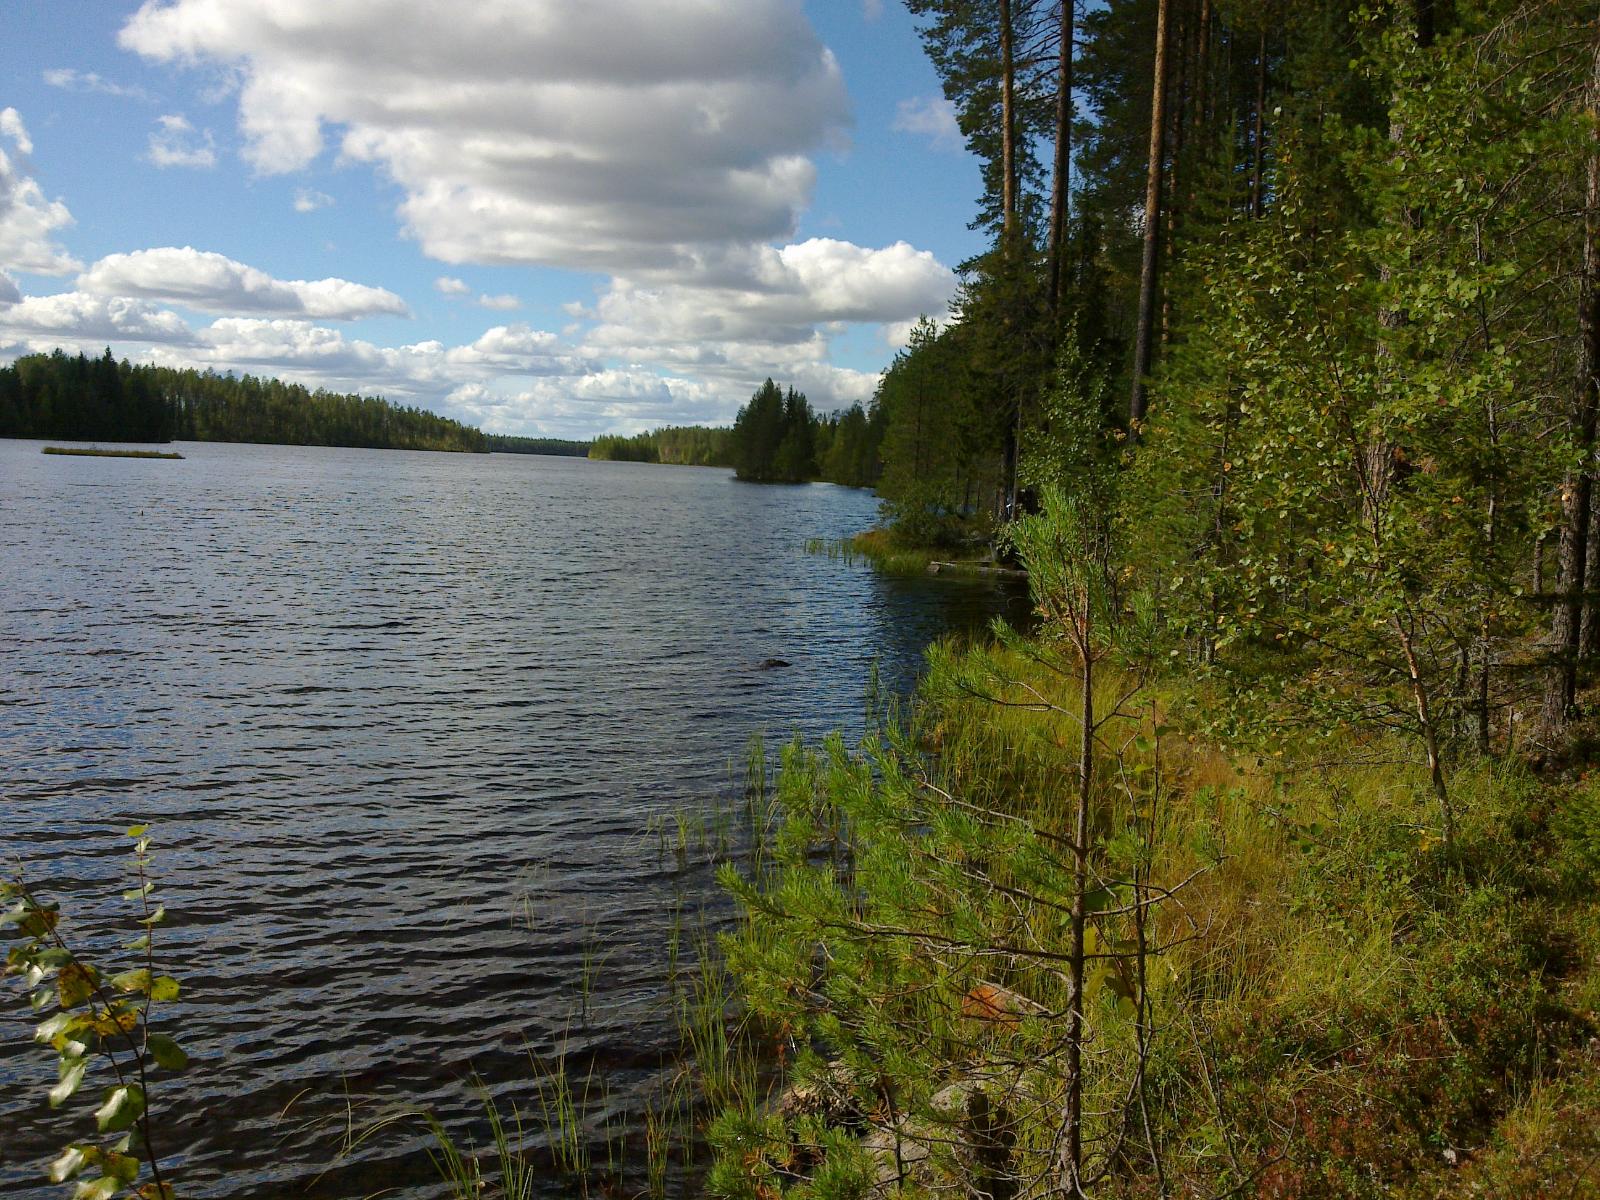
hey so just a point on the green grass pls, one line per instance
(890, 555)
(1342, 1010)
(99, 452)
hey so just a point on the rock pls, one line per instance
(899, 1153)
(828, 1096)
(772, 664)
(995, 1005)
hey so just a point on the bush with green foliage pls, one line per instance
(100, 1016)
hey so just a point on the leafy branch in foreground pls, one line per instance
(101, 1015)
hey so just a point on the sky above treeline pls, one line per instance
(536, 216)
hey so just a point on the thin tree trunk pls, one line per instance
(1008, 126)
(1175, 172)
(1561, 680)
(1589, 625)
(1071, 1169)
(1258, 134)
(1152, 222)
(1430, 733)
(1061, 182)
(1379, 452)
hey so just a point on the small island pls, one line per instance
(102, 452)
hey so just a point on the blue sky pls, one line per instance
(536, 216)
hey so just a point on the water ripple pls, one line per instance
(401, 723)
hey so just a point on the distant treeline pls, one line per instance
(500, 443)
(80, 399)
(778, 439)
(678, 445)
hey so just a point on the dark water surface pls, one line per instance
(402, 725)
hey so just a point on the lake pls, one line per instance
(406, 728)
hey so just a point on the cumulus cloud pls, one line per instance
(28, 222)
(742, 317)
(503, 302)
(448, 285)
(214, 283)
(75, 318)
(176, 143)
(8, 290)
(88, 81)
(932, 117)
(309, 200)
(528, 131)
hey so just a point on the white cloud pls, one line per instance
(448, 285)
(530, 131)
(309, 200)
(74, 317)
(871, 10)
(213, 283)
(28, 222)
(502, 302)
(743, 317)
(88, 81)
(8, 290)
(176, 143)
(932, 117)
(11, 127)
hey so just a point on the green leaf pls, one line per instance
(76, 984)
(167, 1052)
(136, 831)
(48, 1031)
(124, 1105)
(132, 981)
(156, 917)
(40, 922)
(73, 1159)
(164, 989)
(124, 1168)
(72, 1071)
(140, 892)
(101, 1189)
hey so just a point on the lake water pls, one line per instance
(402, 725)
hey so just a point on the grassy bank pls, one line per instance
(1291, 988)
(99, 452)
(893, 555)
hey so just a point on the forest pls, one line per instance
(678, 445)
(777, 438)
(1265, 862)
(84, 399)
(501, 443)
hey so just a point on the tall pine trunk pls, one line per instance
(1008, 126)
(1143, 338)
(1561, 679)
(1061, 180)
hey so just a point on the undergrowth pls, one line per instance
(1338, 1006)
